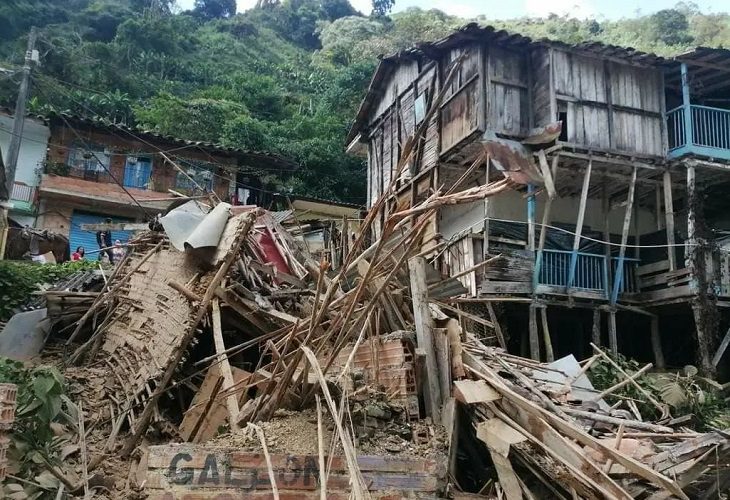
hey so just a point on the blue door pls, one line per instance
(137, 172)
(87, 239)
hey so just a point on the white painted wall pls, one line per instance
(32, 147)
(511, 205)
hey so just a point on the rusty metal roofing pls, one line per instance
(708, 69)
(474, 32)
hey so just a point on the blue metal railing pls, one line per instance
(591, 271)
(710, 128)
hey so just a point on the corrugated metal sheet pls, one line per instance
(87, 239)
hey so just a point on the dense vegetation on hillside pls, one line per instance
(286, 76)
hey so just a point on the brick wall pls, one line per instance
(164, 176)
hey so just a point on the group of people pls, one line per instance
(107, 251)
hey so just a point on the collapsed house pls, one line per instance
(623, 244)
(222, 359)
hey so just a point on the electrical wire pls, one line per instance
(177, 157)
(549, 226)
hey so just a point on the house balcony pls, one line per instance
(590, 276)
(700, 131)
(23, 197)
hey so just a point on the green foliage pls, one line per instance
(213, 9)
(287, 76)
(382, 7)
(685, 393)
(41, 404)
(19, 279)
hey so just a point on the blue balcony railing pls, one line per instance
(591, 271)
(706, 134)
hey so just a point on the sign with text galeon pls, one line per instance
(190, 472)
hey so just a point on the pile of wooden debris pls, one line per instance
(210, 342)
(550, 434)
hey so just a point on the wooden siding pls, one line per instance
(461, 111)
(541, 97)
(507, 103)
(610, 105)
(400, 79)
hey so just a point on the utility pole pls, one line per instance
(14, 147)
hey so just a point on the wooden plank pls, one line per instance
(579, 223)
(506, 287)
(549, 356)
(624, 238)
(424, 333)
(122, 226)
(474, 392)
(224, 365)
(721, 349)
(612, 334)
(652, 268)
(656, 343)
(669, 219)
(534, 338)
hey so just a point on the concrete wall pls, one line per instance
(511, 205)
(32, 147)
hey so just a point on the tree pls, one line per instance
(382, 7)
(671, 27)
(215, 9)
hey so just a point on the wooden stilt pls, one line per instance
(669, 220)
(656, 343)
(596, 331)
(579, 224)
(721, 350)
(549, 356)
(606, 208)
(497, 327)
(624, 238)
(612, 336)
(534, 336)
(424, 334)
(543, 227)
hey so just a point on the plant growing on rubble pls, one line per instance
(685, 393)
(18, 280)
(38, 434)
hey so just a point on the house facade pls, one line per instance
(30, 164)
(613, 231)
(82, 172)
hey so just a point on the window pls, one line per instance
(563, 117)
(201, 172)
(420, 108)
(137, 171)
(88, 164)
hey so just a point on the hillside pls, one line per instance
(286, 76)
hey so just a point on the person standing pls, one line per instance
(104, 240)
(118, 251)
(78, 254)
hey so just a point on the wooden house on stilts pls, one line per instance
(622, 241)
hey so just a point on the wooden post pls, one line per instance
(543, 227)
(624, 239)
(531, 217)
(612, 336)
(687, 110)
(224, 366)
(596, 330)
(534, 337)
(721, 350)
(549, 355)
(656, 343)
(637, 234)
(669, 220)
(658, 207)
(424, 334)
(497, 327)
(605, 210)
(579, 223)
(485, 244)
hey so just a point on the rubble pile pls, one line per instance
(222, 360)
